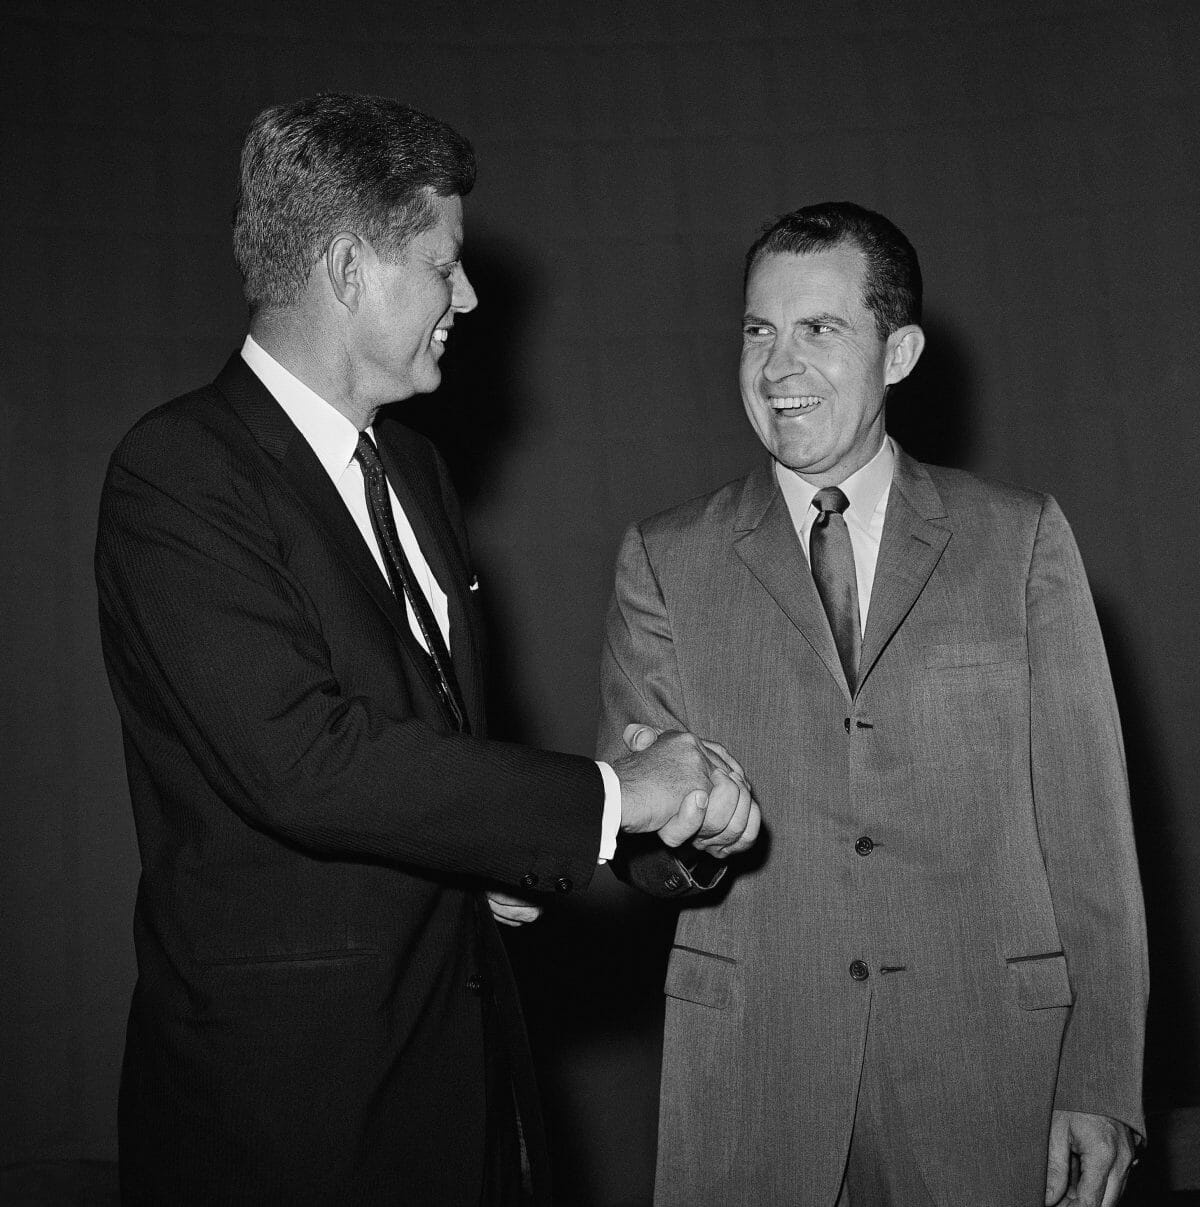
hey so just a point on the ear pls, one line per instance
(345, 262)
(904, 347)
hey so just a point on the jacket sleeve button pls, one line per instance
(563, 884)
(529, 880)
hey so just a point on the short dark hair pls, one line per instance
(892, 281)
(337, 162)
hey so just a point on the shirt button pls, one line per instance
(564, 884)
(864, 846)
(528, 880)
(859, 971)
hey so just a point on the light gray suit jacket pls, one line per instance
(997, 910)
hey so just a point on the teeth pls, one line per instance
(796, 403)
(440, 335)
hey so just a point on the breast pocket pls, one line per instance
(1040, 982)
(971, 704)
(954, 654)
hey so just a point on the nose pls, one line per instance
(784, 360)
(462, 292)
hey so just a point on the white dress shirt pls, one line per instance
(868, 490)
(333, 439)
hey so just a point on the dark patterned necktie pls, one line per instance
(833, 571)
(403, 582)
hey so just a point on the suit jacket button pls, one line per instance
(859, 971)
(564, 884)
(864, 846)
(475, 983)
(528, 880)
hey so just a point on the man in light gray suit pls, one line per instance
(929, 986)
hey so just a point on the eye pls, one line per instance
(756, 331)
(819, 328)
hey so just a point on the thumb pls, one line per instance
(687, 819)
(640, 737)
(1058, 1163)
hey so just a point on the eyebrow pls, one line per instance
(824, 318)
(454, 255)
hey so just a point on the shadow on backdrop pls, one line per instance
(473, 417)
(930, 413)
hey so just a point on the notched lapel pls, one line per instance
(916, 532)
(770, 548)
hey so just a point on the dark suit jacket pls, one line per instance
(321, 987)
(950, 859)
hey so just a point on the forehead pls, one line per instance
(828, 282)
(445, 235)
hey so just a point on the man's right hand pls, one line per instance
(683, 788)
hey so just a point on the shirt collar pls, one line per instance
(865, 488)
(331, 435)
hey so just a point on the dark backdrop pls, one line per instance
(1039, 155)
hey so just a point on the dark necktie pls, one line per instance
(833, 571)
(404, 583)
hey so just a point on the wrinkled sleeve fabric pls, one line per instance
(1081, 799)
(640, 682)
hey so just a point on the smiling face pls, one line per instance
(408, 309)
(814, 370)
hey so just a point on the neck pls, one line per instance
(310, 353)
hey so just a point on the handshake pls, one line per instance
(679, 786)
(686, 789)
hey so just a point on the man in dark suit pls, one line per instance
(931, 987)
(323, 1012)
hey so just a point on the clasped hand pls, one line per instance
(678, 785)
(686, 789)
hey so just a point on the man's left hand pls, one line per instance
(1104, 1148)
(512, 911)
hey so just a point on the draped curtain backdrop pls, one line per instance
(1041, 156)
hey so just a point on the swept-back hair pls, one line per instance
(331, 163)
(892, 281)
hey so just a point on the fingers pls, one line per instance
(733, 819)
(512, 911)
(749, 834)
(1058, 1159)
(722, 757)
(686, 821)
(639, 737)
(1104, 1148)
(1119, 1173)
(1094, 1168)
(726, 815)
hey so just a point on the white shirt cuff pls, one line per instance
(610, 823)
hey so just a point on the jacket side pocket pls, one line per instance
(701, 977)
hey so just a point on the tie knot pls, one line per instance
(830, 498)
(367, 455)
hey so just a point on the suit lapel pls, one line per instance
(768, 545)
(298, 466)
(915, 534)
